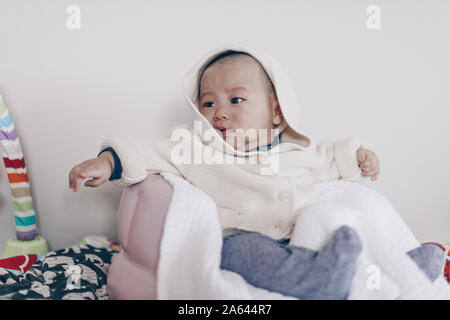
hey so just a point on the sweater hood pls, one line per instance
(291, 137)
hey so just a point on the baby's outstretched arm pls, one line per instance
(99, 169)
(369, 163)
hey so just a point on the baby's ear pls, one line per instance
(277, 115)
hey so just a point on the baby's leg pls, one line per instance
(313, 227)
(382, 218)
(374, 211)
(294, 271)
(385, 236)
(379, 217)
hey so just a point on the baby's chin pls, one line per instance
(240, 145)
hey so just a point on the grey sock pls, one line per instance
(429, 258)
(295, 271)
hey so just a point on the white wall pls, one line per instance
(120, 74)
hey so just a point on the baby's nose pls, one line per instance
(221, 114)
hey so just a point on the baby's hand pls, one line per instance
(99, 169)
(369, 163)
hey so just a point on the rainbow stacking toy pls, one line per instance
(27, 240)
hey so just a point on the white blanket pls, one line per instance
(190, 253)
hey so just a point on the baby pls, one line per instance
(264, 200)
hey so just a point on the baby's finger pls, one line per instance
(72, 180)
(77, 182)
(365, 169)
(363, 165)
(94, 182)
(377, 173)
(82, 176)
(368, 164)
(361, 156)
(367, 173)
(89, 173)
(88, 183)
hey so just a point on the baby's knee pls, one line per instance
(369, 199)
(329, 216)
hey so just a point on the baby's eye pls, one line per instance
(208, 104)
(234, 100)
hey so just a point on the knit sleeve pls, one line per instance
(339, 159)
(140, 158)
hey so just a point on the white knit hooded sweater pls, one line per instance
(264, 194)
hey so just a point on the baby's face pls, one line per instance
(233, 95)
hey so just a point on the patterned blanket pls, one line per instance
(77, 272)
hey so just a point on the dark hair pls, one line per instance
(231, 53)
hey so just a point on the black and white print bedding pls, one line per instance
(77, 272)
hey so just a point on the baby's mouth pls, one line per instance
(223, 132)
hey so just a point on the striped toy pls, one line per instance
(24, 214)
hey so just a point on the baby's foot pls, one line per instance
(335, 265)
(430, 259)
(292, 270)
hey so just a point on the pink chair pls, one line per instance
(140, 220)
